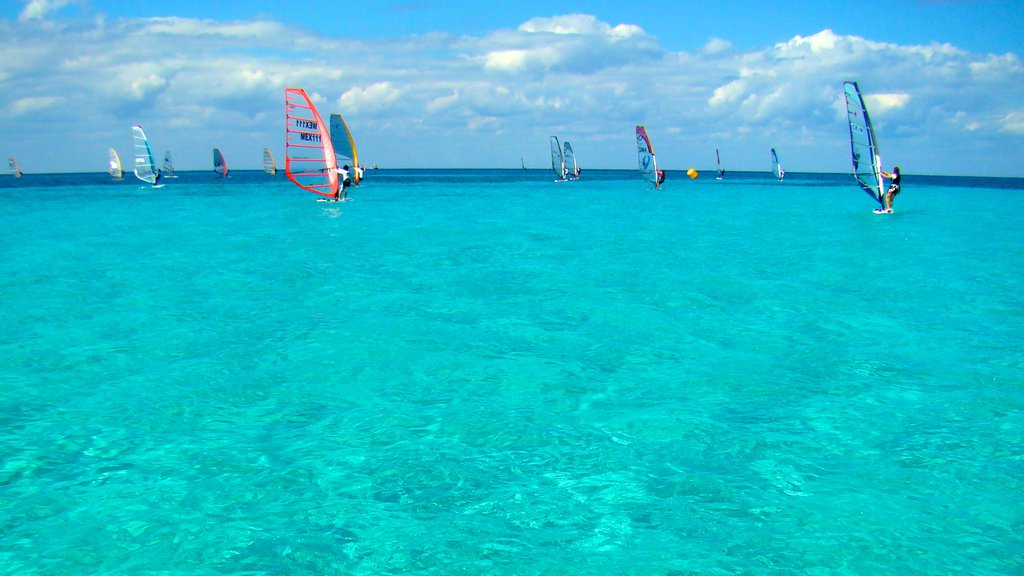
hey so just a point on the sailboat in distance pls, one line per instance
(220, 167)
(648, 162)
(718, 160)
(777, 170)
(557, 160)
(570, 161)
(269, 166)
(168, 165)
(344, 146)
(867, 164)
(114, 165)
(309, 159)
(143, 156)
(13, 164)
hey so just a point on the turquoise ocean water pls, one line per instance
(485, 372)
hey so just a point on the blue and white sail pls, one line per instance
(570, 159)
(867, 164)
(645, 156)
(777, 170)
(143, 156)
(557, 159)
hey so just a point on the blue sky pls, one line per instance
(480, 84)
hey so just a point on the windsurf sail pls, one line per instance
(168, 165)
(309, 159)
(557, 159)
(570, 159)
(777, 170)
(114, 165)
(220, 167)
(143, 156)
(522, 162)
(344, 146)
(718, 160)
(867, 164)
(268, 162)
(13, 164)
(645, 151)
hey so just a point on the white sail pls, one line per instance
(570, 160)
(168, 165)
(867, 164)
(114, 164)
(777, 170)
(268, 162)
(645, 153)
(557, 159)
(344, 146)
(13, 164)
(143, 156)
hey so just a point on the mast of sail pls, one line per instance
(309, 159)
(268, 162)
(344, 145)
(557, 159)
(143, 156)
(115, 164)
(867, 164)
(645, 152)
(220, 167)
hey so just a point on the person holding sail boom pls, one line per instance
(894, 186)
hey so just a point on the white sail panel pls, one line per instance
(344, 145)
(114, 164)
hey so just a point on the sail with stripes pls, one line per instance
(867, 164)
(557, 159)
(344, 146)
(114, 165)
(220, 167)
(143, 156)
(269, 166)
(645, 152)
(309, 159)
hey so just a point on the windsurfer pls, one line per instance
(661, 177)
(894, 186)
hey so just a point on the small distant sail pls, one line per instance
(718, 160)
(13, 164)
(309, 159)
(143, 156)
(220, 167)
(344, 146)
(557, 159)
(168, 165)
(867, 164)
(114, 165)
(269, 166)
(570, 159)
(645, 152)
(777, 170)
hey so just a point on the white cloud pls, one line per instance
(40, 9)
(196, 80)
